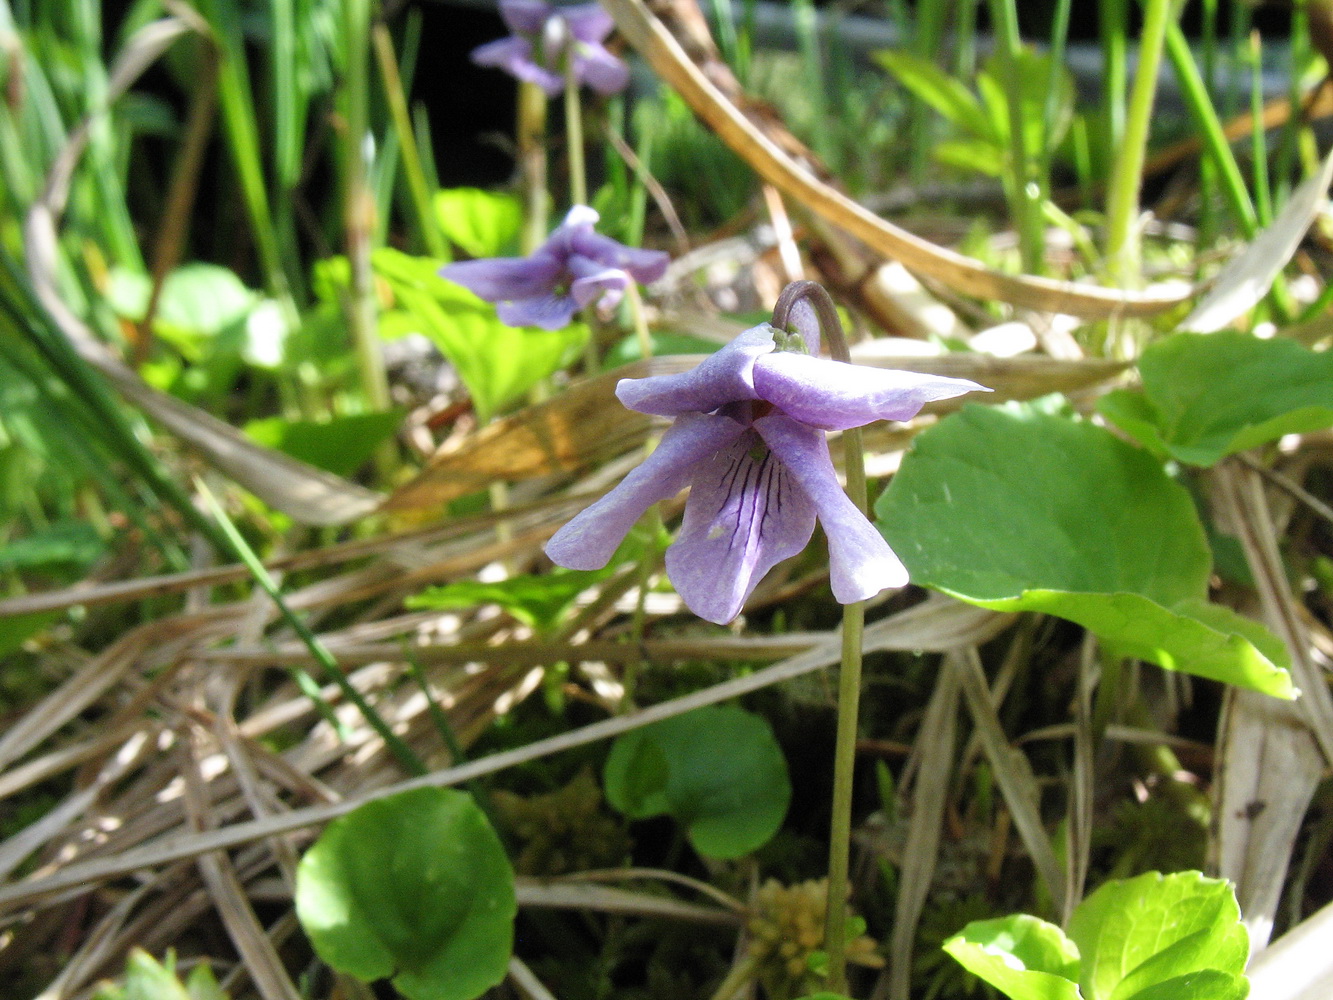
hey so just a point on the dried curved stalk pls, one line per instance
(964, 274)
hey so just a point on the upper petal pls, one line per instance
(590, 539)
(835, 395)
(724, 377)
(861, 564)
(496, 279)
(588, 22)
(525, 17)
(745, 514)
(601, 71)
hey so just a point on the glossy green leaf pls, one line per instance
(1017, 510)
(199, 303)
(15, 630)
(943, 92)
(1032, 70)
(415, 886)
(484, 223)
(1206, 396)
(717, 770)
(497, 363)
(1021, 956)
(62, 545)
(147, 979)
(971, 154)
(341, 445)
(1156, 937)
(539, 601)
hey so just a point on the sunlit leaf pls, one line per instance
(341, 445)
(717, 770)
(1206, 396)
(497, 363)
(539, 601)
(147, 979)
(1016, 510)
(946, 94)
(416, 887)
(484, 223)
(60, 546)
(1021, 956)
(1158, 936)
(1032, 71)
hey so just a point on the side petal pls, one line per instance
(497, 279)
(745, 515)
(600, 70)
(861, 564)
(588, 22)
(724, 377)
(590, 539)
(834, 395)
(645, 265)
(514, 56)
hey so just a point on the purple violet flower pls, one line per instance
(543, 34)
(575, 267)
(749, 442)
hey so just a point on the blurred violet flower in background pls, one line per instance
(575, 267)
(749, 441)
(543, 37)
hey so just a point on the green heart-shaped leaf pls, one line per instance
(1206, 396)
(415, 886)
(1017, 510)
(717, 770)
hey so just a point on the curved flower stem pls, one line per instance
(849, 680)
(578, 174)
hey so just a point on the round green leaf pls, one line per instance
(415, 886)
(1021, 511)
(1147, 936)
(717, 770)
(1021, 956)
(1206, 396)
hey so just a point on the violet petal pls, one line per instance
(595, 283)
(496, 279)
(588, 22)
(861, 564)
(591, 538)
(645, 265)
(525, 17)
(724, 377)
(550, 312)
(835, 396)
(745, 514)
(600, 70)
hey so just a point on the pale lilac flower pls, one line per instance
(749, 442)
(544, 35)
(575, 267)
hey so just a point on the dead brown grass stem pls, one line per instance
(937, 624)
